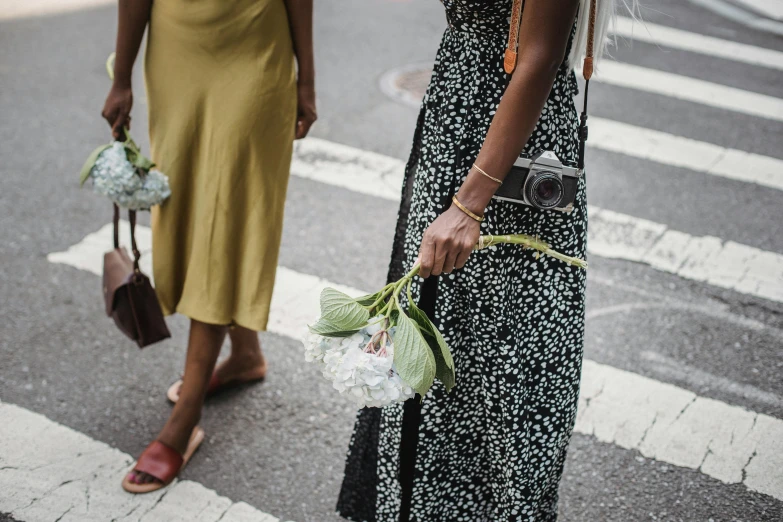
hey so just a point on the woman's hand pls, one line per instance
(305, 115)
(448, 242)
(117, 108)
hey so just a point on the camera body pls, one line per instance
(541, 182)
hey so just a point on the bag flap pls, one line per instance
(117, 271)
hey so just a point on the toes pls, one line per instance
(137, 477)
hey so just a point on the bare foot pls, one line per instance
(242, 367)
(236, 369)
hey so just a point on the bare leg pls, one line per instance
(246, 360)
(203, 350)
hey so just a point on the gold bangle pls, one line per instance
(496, 180)
(466, 210)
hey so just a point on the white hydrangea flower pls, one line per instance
(365, 373)
(116, 178)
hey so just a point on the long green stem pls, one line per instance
(390, 293)
(529, 242)
(385, 291)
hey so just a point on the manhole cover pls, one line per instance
(407, 84)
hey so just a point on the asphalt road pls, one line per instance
(280, 446)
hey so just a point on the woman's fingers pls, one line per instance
(426, 257)
(110, 115)
(451, 260)
(303, 125)
(463, 256)
(118, 129)
(446, 252)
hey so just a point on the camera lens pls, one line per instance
(544, 189)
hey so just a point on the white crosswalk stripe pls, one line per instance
(722, 263)
(662, 421)
(51, 472)
(698, 156)
(708, 45)
(690, 89)
(11, 9)
(769, 8)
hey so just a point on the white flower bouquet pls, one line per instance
(120, 171)
(377, 354)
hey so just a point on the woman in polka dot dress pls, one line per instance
(493, 449)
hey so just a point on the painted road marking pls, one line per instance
(689, 89)
(22, 9)
(660, 420)
(769, 8)
(51, 472)
(697, 43)
(726, 264)
(677, 151)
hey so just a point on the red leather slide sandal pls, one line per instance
(162, 462)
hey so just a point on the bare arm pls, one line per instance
(300, 16)
(133, 18)
(546, 27)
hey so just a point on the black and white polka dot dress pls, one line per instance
(493, 449)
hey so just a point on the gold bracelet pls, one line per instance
(466, 210)
(496, 180)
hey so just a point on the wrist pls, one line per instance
(305, 76)
(474, 200)
(121, 82)
(464, 212)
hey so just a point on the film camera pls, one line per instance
(541, 182)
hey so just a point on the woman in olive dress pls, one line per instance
(229, 87)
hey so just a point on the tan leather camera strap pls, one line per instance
(510, 56)
(510, 61)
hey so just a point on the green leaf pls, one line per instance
(136, 158)
(90, 163)
(327, 329)
(444, 363)
(367, 300)
(342, 311)
(413, 358)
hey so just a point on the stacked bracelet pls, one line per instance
(481, 171)
(466, 210)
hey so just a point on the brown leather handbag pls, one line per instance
(128, 294)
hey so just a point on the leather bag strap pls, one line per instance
(116, 221)
(132, 221)
(136, 253)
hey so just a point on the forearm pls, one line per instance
(543, 38)
(512, 125)
(300, 17)
(134, 16)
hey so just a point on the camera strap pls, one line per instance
(510, 62)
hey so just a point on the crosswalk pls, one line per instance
(662, 421)
(613, 235)
(671, 424)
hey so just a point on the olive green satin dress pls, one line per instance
(221, 92)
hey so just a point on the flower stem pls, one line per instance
(385, 291)
(529, 242)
